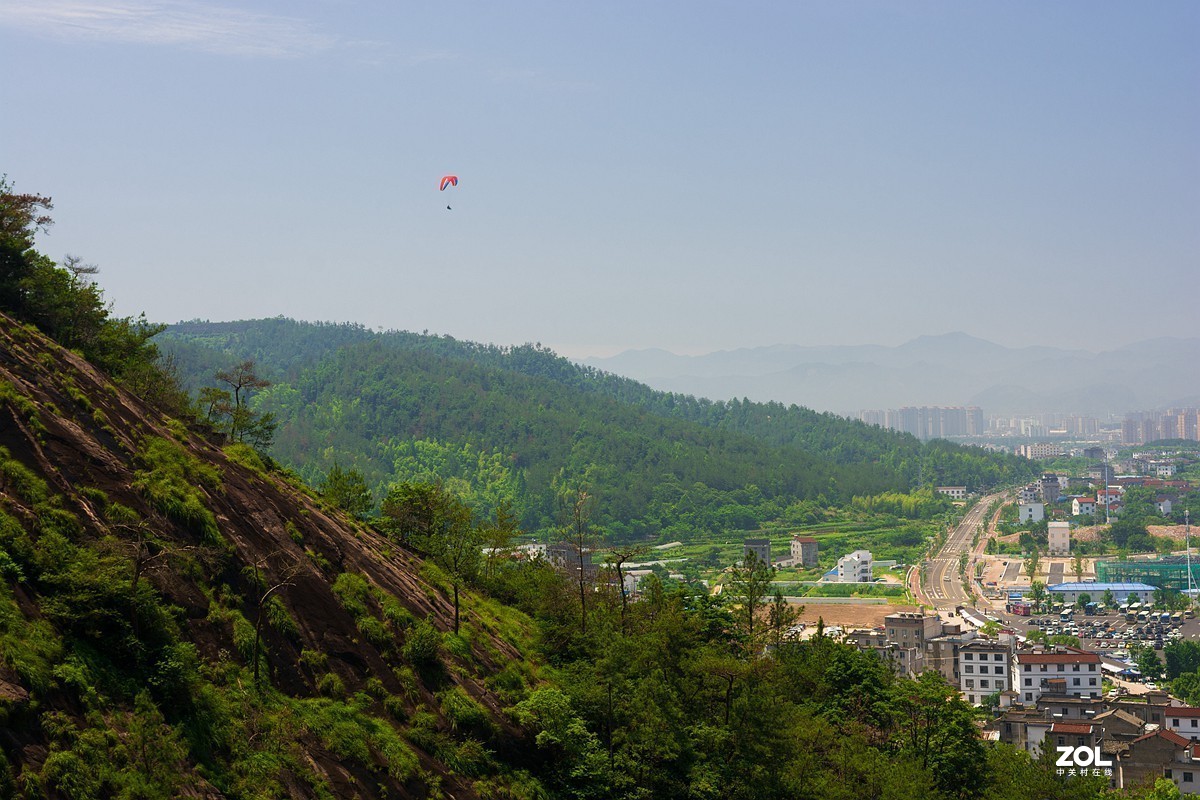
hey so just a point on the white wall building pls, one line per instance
(1183, 720)
(1064, 670)
(954, 492)
(855, 567)
(984, 668)
(1083, 506)
(1031, 512)
(1060, 538)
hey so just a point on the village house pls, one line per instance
(854, 568)
(1083, 506)
(1059, 538)
(1058, 671)
(984, 666)
(804, 551)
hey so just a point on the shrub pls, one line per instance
(21, 480)
(330, 685)
(352, 592)
(463, 711)
(423, 645)
(169, 481)
(246, 456)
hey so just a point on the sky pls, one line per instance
(692, 176)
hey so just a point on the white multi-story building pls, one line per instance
(1061, 671)
(1183, 720)
(1059, 536)
(1031, 512)
(954, 492)
(855, 567)
(984, 669)
(1039, 451)
(1083, 506)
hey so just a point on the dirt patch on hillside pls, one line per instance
(1091, 533)
(847, 615)
(1176, 532)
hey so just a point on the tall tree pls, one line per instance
(579, 535)
(780, 617)
(619, 556)
(458, 549)
(267, 585)
(21, 217)
(749, 586)
(936, 728)
(1031, 563)
(499, 533)
(245, 425)
(1037, 593)
(347, 489)
(431, 519)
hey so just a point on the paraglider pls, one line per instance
(448, 180)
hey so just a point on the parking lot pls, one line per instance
(1111, 632)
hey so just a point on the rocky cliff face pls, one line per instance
(145, 565)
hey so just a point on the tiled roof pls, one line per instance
(1181, 711)
(1078, 728)
(1173, 738)
(1121, 714)
(1058, 658)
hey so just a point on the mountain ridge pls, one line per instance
(947, 369)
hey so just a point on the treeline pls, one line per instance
(401, 406)
(64, 302)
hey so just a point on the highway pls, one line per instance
(942, 586)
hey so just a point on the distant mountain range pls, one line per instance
(950, 370)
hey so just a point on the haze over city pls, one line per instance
(680, 176)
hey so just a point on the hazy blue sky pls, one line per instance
(692, 176)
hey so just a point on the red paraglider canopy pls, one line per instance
(448, 180)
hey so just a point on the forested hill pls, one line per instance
(523, 424)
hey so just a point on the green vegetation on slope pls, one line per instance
(523, 425)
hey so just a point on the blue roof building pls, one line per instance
(1123, 592)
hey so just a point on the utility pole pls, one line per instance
(1107, 514)
(1187, 545)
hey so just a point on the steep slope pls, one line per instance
(141, 560)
